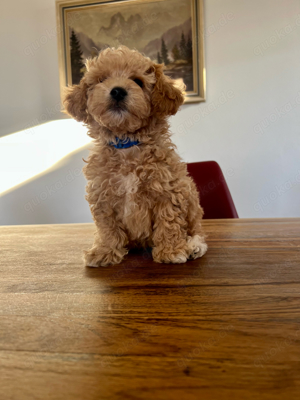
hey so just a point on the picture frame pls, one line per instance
(169, 31)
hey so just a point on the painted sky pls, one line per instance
(156, 18)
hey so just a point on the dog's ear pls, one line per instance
(166, 97)
(75, 101)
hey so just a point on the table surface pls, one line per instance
(226, 326)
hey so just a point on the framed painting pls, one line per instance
(167, 31)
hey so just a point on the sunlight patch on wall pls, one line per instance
(30, 152)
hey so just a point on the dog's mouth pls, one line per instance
(118, 108)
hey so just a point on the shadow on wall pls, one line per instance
(54, 197)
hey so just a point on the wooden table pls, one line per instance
(226, 326)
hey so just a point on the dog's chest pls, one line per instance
(128, 189)
(131, 205)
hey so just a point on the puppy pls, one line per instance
(138, 188)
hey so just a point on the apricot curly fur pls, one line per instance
(142, 195)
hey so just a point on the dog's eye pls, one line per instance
(150, 70)
(138, 82)
(100, 80)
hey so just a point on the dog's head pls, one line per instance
(121, 90)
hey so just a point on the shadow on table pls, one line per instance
(139, 268)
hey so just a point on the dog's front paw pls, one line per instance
(101, 257)
(168, 257)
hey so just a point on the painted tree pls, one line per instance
(159, 59)
(189, 49)
(182, 47)
(164, 52)
(175, 53)
(77, 64)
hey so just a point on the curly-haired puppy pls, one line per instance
(138, 188)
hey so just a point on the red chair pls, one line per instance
(215, 197)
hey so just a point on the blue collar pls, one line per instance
(124, 143)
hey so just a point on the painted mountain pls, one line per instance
(88, 46)
(171, 37)
(157, 35)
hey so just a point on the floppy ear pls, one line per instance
(75, 101)
(166, 98)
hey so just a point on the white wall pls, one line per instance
(253, 65)
(57, 197)
(29, 65)
(249, 123)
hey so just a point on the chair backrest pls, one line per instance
(215, 197)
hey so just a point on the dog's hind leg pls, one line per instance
(197, 246)
(177, 230)
(196, 240)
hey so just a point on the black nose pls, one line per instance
(118, 93)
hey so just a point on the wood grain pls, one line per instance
(226, 326)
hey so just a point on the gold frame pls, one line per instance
(197, 32)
